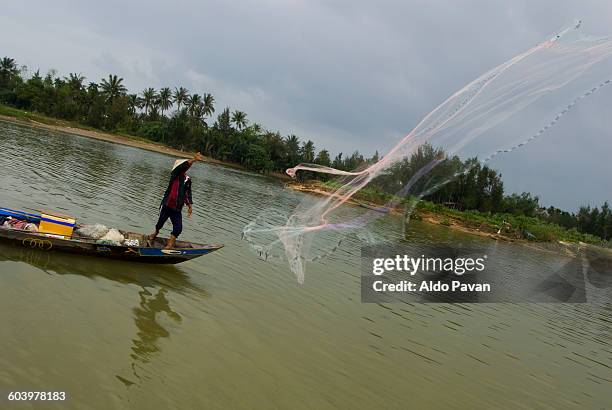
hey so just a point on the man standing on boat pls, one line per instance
(176, 196)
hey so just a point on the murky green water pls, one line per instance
(231, 331)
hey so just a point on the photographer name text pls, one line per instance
(412, 265)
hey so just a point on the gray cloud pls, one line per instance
(347, 74)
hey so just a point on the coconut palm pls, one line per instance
(149, 95)
(8, 70)
(209, 104)
(92, 88)
(112, 87)
(8, 64)
(165, 99)
(239, 119)
(154, 111)
(181, 96)
(58, 82)
(193, 104)
(134, 102)
(75, 81)
(198, 112)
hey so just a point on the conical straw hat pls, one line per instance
(178, 162)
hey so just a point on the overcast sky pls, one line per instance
(346, 74)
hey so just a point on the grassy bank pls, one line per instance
(502, 226)
(40, 121)
(26, 116)
(511, 227)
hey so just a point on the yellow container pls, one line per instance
(58, 225)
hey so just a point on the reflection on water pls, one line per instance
(149, 331)
(118, 271)
(229, 330)
(152, 296)
(145, 345)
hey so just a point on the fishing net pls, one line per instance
(502, 110)
(91, 231)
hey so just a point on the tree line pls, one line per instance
(470, 185)
(185, 120)
(175, 117)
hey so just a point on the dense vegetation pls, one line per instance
(470, 186)
(510, 225)
(184, 120)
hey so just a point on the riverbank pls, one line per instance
(510, 228)
(420, 213)
(36, 120)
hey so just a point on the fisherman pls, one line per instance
(177, 194)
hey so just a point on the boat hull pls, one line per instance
(157, 255)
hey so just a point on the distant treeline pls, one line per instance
(184, 120)
(469, 185)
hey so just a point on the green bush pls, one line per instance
(153, 130)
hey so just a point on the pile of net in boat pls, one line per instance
(13, 223)
(101, 234)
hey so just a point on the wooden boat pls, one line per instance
(137, 247)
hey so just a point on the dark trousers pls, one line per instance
(176, 217)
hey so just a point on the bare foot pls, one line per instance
(170, 242)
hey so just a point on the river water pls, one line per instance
(229, 330)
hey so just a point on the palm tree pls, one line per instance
(92, 88)
(134, 102)
(239, 118)
(193, 103)
(154, 111)
(75, 81)
(165, 99)
(8, 64)
(8, 69)
(112, 87)
(58, 82)
(148, 98)
(181, 95)
(209, 104)
(198, 112)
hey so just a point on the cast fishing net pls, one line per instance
(500, 111)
